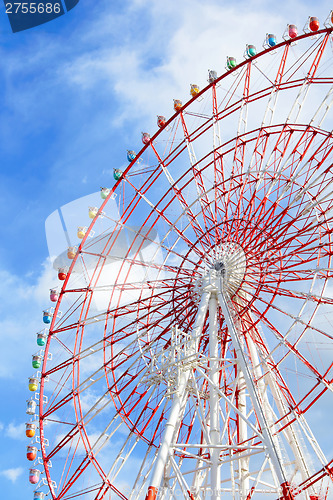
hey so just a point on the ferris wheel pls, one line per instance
(189, 353)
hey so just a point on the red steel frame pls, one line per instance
(239, 201)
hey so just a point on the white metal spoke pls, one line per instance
(177, 404)
(269, 442)
(192, 354)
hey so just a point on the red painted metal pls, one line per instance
(152, 493)
(206, 208)
(286, 492)
(249, 496)
(259, 211)
(179, 194)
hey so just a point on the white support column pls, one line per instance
(214, 433)
(174, 419)
(243, 463)
(265, 430)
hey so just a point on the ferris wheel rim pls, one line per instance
(171, 119)
(328, 30)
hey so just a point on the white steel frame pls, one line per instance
(207, 481)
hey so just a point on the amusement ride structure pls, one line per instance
(189, 351)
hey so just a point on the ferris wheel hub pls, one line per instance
(230, 265)
(219, 267)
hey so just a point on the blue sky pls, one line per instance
(75, 95)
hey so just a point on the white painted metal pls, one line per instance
(174, 419)
(214, 432)
(243, 462)
(261, 360)
(322, 110)
(242, 120)
(275, 459)
(298, 104)
(252, 379)
(216, 131)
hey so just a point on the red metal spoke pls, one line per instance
(253, 212)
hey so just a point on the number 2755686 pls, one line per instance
(32, 8)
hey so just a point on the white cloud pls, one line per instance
(179, 47)
(15, 431)
(129, 64)
(22, 306)
(12, 474)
